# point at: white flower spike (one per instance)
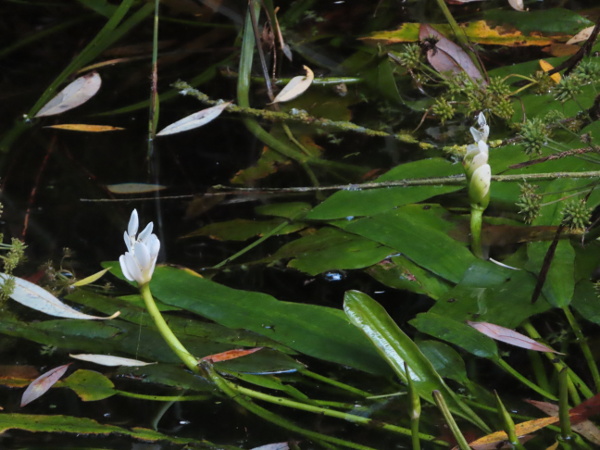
(477, 169)
(139, 261)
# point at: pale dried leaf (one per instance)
(108, 360)
(296, 87)
(41, 384)
(75, 94)
(517, 5)
(134, 188)
(194, 120)
(583, 35)
(88, 280)
(84, 127)
(35, 297)
(274, 446)
(509, 336)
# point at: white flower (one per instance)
(475, 162)
(139, 261)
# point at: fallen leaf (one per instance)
(108, 360)
(521, 429)
(41, 384)
(134, 188)
(194, 120)
(88, 280)
(75, 94)
(230, 354)
(35, 297)
(547, 67)
(275, 446)
(446, 56)
(296, 87)
(583, 35)
(509, 336)
(586, 428)
(84, 127)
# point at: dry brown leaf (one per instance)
(583, 35)
(42, 384)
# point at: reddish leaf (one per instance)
(230, 354)
(509, 336)
(446, 56)
(586, 409)
(41, 384)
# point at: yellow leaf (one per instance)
(521, 429)
(547, 67)
(85, 127)
(91, 278)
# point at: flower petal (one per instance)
(146, 232)
(134, 223)
(124, 268)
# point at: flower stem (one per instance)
(476, 219)
(190, 361)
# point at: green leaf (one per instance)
(457, 333)
(242, 229)
(82, 426)
(419, 232)
(398, 349)
(356, 203)
(560, 280)
(332, 249)
(288, 210)
(90, 386)
(302, 327)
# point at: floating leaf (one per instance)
(230, 354)
(90, 386)
(35, 297)
(509, 336)
(75, 94)
(446, 56)
(134, 188)
(88, 280)
(275, 446)
(296, 87)
(194, 120)
(583, 35)
(108, 360)
(84, 127)
(41, 384)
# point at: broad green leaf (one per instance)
(289, 210)
(457, 333)
(356, 203)
(242, 229)
(560, 282)
(401, 273)
(446, 361)
(302, 327)
(332, 249)
(398, 349)
(553, 21)
(420, 233)
(90, 386)
(81, 426)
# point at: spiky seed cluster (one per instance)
(534, 134)
(443, 109)
(529, 202)
(576, 214)
(411, 57)
(568, 88)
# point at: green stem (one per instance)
(476, 220)
(585, 348)
(563, 404)
(335, 383)
(460, 438)
(504, 365)
(190, 361)
(164, 398)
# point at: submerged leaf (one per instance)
(75, 94)
(108, 360)
(296, 87)
(195, 120)
(35, 297)
(509, 336)
(230, 354)
(134, 188)
(41, 384)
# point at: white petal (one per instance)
(134, 223)
(124, 268)
(133, 268)
(481, 120)
(153, 245)
(142, 255)
(128, 240)
(146, 232)
(483, 148)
